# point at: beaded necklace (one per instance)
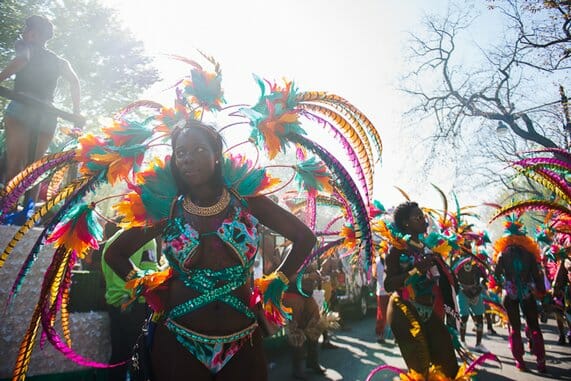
(207, 211)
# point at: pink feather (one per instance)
(390, 368)
(331, 223)
(348, 149)
(544, 161)
(480, 360)
(311, 210)
(339, 197)
(58, 343)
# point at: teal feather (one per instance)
(137, 132)
(207, 92)
(458, 210)
(158, 192)
(434, 239)
(454, 336)
(345, 183)
(273, 103)
(240, 176)
(379, 205)
(306, 173)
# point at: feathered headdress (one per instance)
(515, 234)
(130, 151)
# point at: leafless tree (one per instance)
(506, 89)
(544, 31)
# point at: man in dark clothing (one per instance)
(29, 130)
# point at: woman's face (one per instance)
(416, 222)
(194, 157)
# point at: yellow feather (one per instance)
(39, 214)
(26, 346)
(548, 184)
(405, 195)
(354, 139)
(29, 340)
(13, 183)
(365, 122)
(56, 181)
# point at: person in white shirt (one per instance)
(382, 297)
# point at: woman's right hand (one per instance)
(425, 263)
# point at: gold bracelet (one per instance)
(131, 275)
(282, 277)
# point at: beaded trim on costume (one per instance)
(190, 334)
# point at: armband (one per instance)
(271, 288)
(132, 274)
(414, 271)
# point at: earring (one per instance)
(216, 162)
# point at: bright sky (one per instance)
(353, 48)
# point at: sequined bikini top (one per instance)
(181, 240)
(238, 231)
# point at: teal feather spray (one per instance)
(158, 191)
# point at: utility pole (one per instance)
(566, 116)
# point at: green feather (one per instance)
(158, 192)
(306, 173)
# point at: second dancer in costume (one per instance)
(415, 311)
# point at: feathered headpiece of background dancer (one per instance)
(515, 233)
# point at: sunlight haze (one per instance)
(356, 49)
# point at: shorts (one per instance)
(467, 305)
(31, 117)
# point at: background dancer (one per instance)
(517, 271)
(305, 327)
(378, 272)
(470, 299)
(125, 324)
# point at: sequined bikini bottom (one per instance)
(212, 351)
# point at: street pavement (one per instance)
(359, 353)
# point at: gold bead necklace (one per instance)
(206, 211)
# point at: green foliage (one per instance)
(108, 59)
(13, 13)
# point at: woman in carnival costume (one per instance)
(517, 258)
(207, 204)
(423, 293)
(562, 299)
(207, 326)
(413, 273)
(306, 325)
(551, 168)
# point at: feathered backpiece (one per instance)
(131, 154)
(550, 168)
(277, 121)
